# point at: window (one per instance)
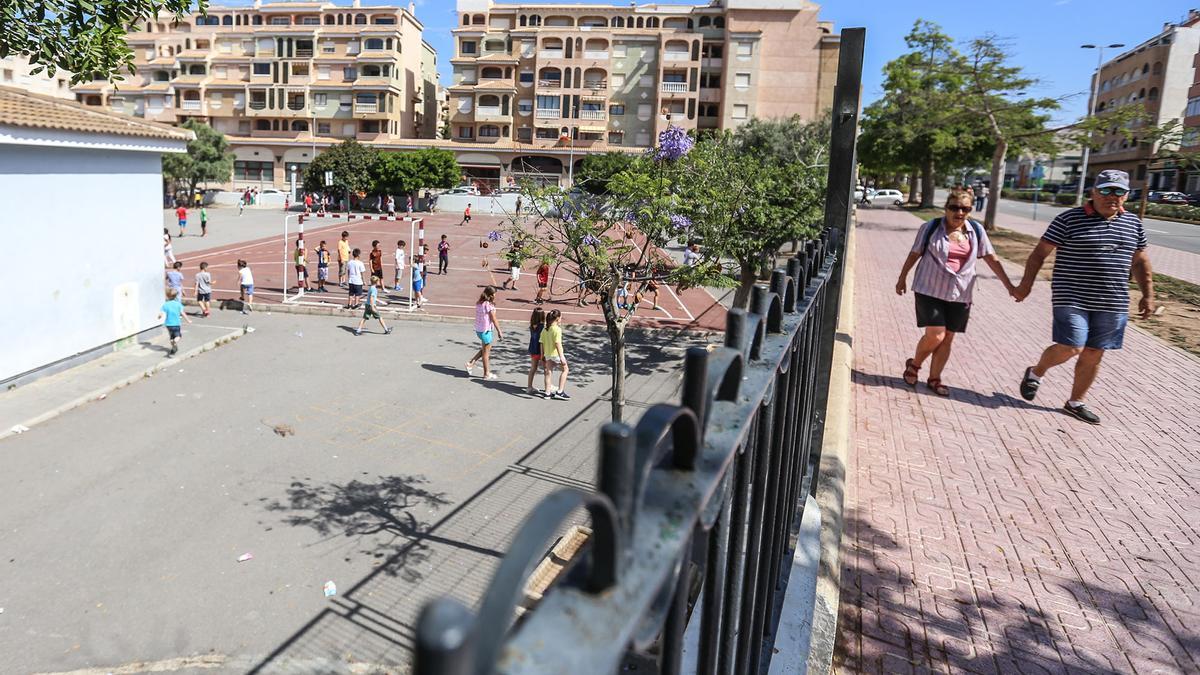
(310, 21)
(244, 126)
(489, 131)
(466, 132)
(300, 69)
(262, 69)
(616, 109)
(525, 134)
(349, 73)
(385, 20)
(544, 133)
(548, 102)
(323, 127)
(281, 21)
(319, 100)
(741, 80)
(220, 72)
(709, 80)
(616, 137)
(345, 101)
(646, 81)
(620, 50)
(741, 111)
(745, 49)
(328, 48)
(349, 129)
(467, 47)
(251, 170)
(618, 81)
(525, 106)
(322, 72)
(373, 43)
(526, 77)
(1193, 107)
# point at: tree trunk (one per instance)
(927, 186)
(912, 186)
(989, 218)
(616, 340)
(746, 281)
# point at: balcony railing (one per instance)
(595, 84)
(674, 87)
(712, 62)
(304, 53)
(550, 84)
(593, 115)
(189, 105)
(296, 105)
(258, 105)
(548, 113)
(677, 56)
(487, 111)
(550, 54)
(366, 107)
(597, 55)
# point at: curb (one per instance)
(831, 486)
(108, 389)
(401, 315)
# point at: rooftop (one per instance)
(23, 109)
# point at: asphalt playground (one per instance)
(472, 267)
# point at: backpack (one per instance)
(937, 223)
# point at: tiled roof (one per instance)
(23, 109)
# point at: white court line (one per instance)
(685, 309)
(1157, 231)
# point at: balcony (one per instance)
(716, 62)
(489, 112)
(550, 54)
(304, 53)
(258, 105)
(593, 115)
(365, 108)
(674, 87)
(677, 56)
(548, 113)
(550, 84)
(596, 56)
(596, 85)
(297, 105)
(190, 105)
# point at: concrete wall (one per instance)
(83, 272)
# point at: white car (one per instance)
(893, 197)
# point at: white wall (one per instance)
(82, 236)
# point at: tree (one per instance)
(207, 158)
(408, 172)
(990, 94)
(597, 170)
(611, 240)
(85, 37)
(352, 164)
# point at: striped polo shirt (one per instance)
(936, 280)
(1093, 259)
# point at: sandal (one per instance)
(911, 373)
(935, 384)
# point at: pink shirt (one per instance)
(483, 320)
(958, 254)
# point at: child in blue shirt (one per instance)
(175, 279)
(171, 314)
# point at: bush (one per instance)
(1170, 211)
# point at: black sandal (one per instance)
(912, 373)
(1029, 385)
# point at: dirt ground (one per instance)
(1179, 320)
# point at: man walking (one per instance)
(1097, 245)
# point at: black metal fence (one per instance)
(699, 499)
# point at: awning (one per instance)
(593, 97)
(593, 130)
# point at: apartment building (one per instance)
(1156, 74)
(16, 71)
(538, 86)
(282, 80)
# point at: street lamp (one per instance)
(1087, 146)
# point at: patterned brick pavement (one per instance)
(1170, 261)
(987, 535)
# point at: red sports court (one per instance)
(452, 294)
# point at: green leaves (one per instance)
(362, 168)
(207, 158)
(85, 37)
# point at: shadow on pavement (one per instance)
(995, 400)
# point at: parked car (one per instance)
(1169, 198)
(893, 197)
(1135, 195)
(1194, 199)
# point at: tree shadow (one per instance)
(891, 621)
(378, 515)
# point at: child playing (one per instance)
(181, 215)
(168, 250)
(418, 281)
(466, 215)
(170, 314)
(487, 330)
(175, 279)
(553, 356)
(246, 283)
(537, 321)
(322, 267)
(371, 309)
(203, 221)
(343, 257)
(354, 278)
(543, 280)
(300, 255)
(203, 289)
(443, 255)
(376, 258)
(401, 252)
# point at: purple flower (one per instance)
(680, 222)
(589, 240)
(495, 235)
(673, 143)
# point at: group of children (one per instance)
(181, 215)
(545, 345)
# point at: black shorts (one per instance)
(541, 284)
(935, 312)
(174, 332)
(355, 289)
(203, 297)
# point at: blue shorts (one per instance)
(182, 224)
(418, 285)
(1075, 327)
(248, 289)
(174, 332)
(485, 336)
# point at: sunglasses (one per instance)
(959, 209)
(1107, 191)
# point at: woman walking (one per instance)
(553, 356)
(944, 253)
(537, 320)
(485, 325)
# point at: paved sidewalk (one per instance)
(1170, 261)
(985, 534)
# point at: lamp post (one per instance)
(1087, 148)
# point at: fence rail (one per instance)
(708, 490)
